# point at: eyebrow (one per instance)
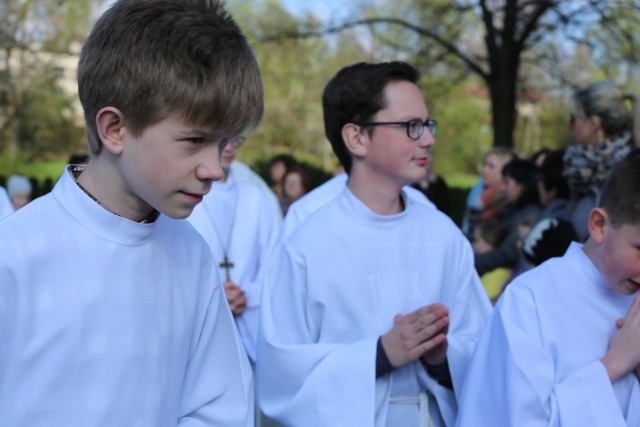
(199, 132)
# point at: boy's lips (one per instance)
(632, 286)
(194, 197)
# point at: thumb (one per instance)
(619, 323)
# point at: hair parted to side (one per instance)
(355, 94)
(620, 195)
(606, 100)
(154, 58)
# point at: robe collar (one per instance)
(362, 213)
(97, 219)
(588, 273)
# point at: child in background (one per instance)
(489, 235)
(19, 190)
(489, 203)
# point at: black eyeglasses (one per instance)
(415, 127)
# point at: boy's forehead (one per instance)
(207, 129)
(404, 97)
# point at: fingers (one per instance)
(619, 323)
(440, 326)
(431, 344)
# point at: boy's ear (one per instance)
(111, 129)
(354, 139)
(598, 218)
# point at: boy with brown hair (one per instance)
(371, 304)
(555, 352)
(111, 311)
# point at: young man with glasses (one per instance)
(371, 305)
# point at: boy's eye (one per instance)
(196, 140)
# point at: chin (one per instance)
(177, 213)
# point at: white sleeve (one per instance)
(218, 385)
(300, 380)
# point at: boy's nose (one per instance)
(210, 169)
(426, 140)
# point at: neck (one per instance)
(378, 194)
(101, 179)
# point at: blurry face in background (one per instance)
(480, 246)
(582, 128)
(293, 187)
(491, 170)
(20, 199)
(512, 189)
(229, 153)
(277, 172)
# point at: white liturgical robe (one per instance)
(239, 219)
(109, 322)
(537, 362)
(333, 287)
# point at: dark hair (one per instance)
(524, 172)
(355, 94)
(151, 59)
(551, 174)
(286, 159)
(494, 231)
(543, 152)
(620, 195)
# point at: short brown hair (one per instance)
(355, 94)
(620, 195)
(154, 58)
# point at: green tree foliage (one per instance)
(294, 73)
(35, 37)
(484, 38)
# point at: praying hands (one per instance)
(421, 333)
(624, 353)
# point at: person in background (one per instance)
(435, 188)
(489, 202)
(294, 185)
(19, 190)
(604, 130)
(487, 236)
(521, 191)
(278, 167)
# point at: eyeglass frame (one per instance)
(236, 142)
(428, 124)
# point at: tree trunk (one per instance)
(502, 89)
